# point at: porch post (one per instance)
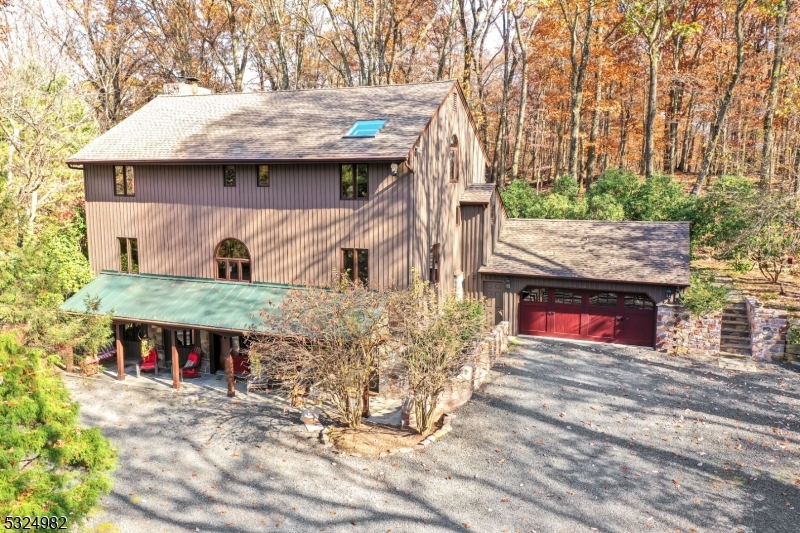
(119, 329)
(176, 365)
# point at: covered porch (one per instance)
(161, 322)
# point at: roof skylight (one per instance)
(365, 128)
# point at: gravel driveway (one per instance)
(568, 437)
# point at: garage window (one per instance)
(568, 297)
(604, 299)
(534, 295)
(638, 301)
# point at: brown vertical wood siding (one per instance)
(294, 229)
(473, 228)
(658, 293)
(434, 197)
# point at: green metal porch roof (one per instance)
(181, 301)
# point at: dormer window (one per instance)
(232, 261)
(365, 128)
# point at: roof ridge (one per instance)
(315, 89)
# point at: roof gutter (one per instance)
(337, 159)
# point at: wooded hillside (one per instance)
(653, 86)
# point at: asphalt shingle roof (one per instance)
(638, 252)
(273, 126)
(179, 300)
(477, 193)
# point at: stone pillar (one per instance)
(205, 351)
(768, 329)
(680, 333)
(158, 338)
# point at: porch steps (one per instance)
(735, 333)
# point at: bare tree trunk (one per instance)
(726, 100)
(444, 51)
(591, 156)
(577, 75)
(504, 106)
(767, 156)
(522, 41)
(687, 130)
(650, 114)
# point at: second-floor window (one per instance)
(229, 176)
(433, 269)
(354, 181)
(263, 175)
(355, 264)
(128, 255)
(452, 159)
(232, 261)
(124, 184)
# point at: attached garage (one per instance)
(591, 280)
(606, 316)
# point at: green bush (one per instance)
(617, 184)
(793, 335)
(604, 207)
(741, 266)
(520, 199)
(723, 213)
(566, 186)
(659, 198)
(48, 464)
(704, 295)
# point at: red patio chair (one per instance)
(149, 361)
(192, 368)
(241, 365)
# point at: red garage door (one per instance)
(617, 317)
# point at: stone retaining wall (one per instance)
(484, 354)
(768, 329)
(679, 333)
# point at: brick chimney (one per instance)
(185, 87)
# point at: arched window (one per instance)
(233, 261)
(452, 159)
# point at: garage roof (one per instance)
(640, 252)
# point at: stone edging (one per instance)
(325, 439)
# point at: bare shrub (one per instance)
(432, 338)
(325, 338)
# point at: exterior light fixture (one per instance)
(508, 283)
(394, 169)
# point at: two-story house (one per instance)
(204, 209)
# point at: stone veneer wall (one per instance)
(484, 354)
(768, 329)
(679, 333)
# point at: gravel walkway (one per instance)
(567, 438)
